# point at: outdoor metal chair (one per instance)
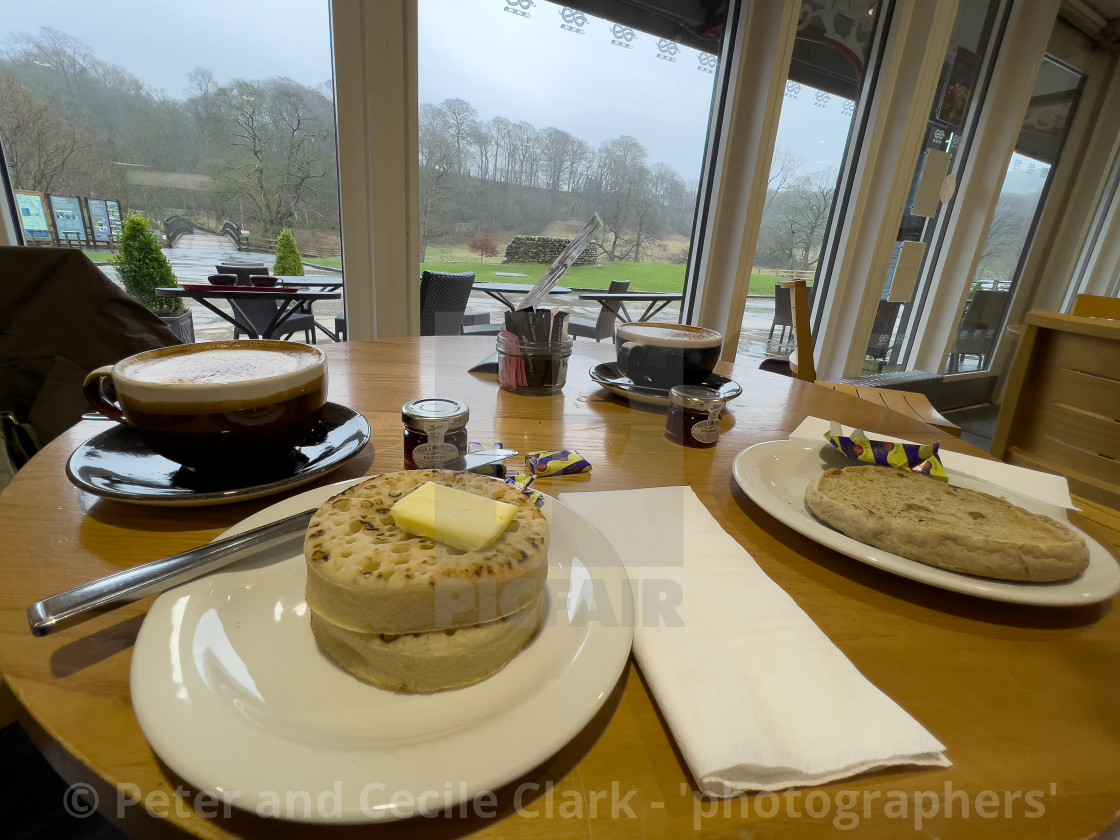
(443, 300)
(260, 313)
(979, 329)
(602, 326)
(783, 316)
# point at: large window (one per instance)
(219, 115)
(533, 116)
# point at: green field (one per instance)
(643, 277)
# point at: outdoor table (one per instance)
(499, 291)
(1024, 698)
(322, 283)
(615, 301)
(290, 302)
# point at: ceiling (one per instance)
(1098, 19)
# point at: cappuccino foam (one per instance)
(225, 374)
(218, 366)
(670, 334)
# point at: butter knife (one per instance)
(108, 593)
(116, 590)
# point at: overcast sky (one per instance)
(505, 64)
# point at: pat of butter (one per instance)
(453, 517)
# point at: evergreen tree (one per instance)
(143, 268)
(288, 261)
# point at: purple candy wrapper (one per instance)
(556, 462)
(919, 458)
(522, 481)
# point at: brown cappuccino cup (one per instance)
(660, 355)
(218, 404)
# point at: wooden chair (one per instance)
(1061, 411)
(1096, 306)
(602, 326)
(802, 366)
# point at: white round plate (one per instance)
(775, 475)
(234, 695)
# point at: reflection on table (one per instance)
(286, 302)
(499, 291)
(615, 301)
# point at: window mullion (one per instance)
(719, 282)
(375, 55)
(978, 190)
(887, 159)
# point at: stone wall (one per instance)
(543, 249)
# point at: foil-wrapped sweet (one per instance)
(556, 462)
(920, 458)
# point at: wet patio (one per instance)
(195, 256)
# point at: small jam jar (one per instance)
(694, 413)
(435, 434)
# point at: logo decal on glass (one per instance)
(623, 35)
(667, 50)
(708, 63)
(573, 21)
(519, 7)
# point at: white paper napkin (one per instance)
(756, 696)
(1046, 487)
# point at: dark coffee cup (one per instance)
(219, 404)
(661, 355)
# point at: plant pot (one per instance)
(182, 325)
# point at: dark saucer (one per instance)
(116, 464)
(608, 375)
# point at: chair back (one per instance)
(801, 362)
(259, 313)
(61, 317)
(443, 300)
(604, 324)
(1096, 306)
(882, 330)
(980, 325)
(1061, 412)
(783, 313)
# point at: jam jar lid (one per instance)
(696, 397)
(434, 409)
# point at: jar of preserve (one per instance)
(694, 416)
(435, 434)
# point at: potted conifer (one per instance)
(288, 261)
(143, 268)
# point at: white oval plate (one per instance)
(775, 474)
(234, 695)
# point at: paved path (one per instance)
(194, 257)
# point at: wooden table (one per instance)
(1025, 699)
(289, 302)
(616, 302)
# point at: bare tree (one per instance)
(41, 145)
(458, 118)
(270, 149)
(437, 160)
(797, 218)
